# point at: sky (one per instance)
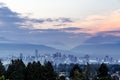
(61, 24)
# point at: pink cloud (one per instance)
(92, 24)
(98, 23)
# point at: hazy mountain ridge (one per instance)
(98, 50)
(94, 50)
(27, 49)
(29, 46)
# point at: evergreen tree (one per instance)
(37, 72)
(49, 71)
(34, 71)
(28, 71)
(3, 78)
(88, 71)
(76, 73)
(16, 70)
(2, 69)
(103, 73)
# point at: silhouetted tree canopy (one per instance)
(76, 73)
(49, 71)
(16, 70)
(2, 69)
(103, 72)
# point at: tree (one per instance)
(76, 73)
(16, 70)
(49, 71)
(28, 72)
(2, 69)
(37, 71)
(103, 72)
(3, 78)
(88, 72)
(34, 71)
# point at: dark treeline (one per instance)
(17, 70)
(93, 68)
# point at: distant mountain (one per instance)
(94, 50)
(9, 49)
(26, 49)
(103, 39)
(98, 50)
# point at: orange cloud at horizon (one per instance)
(92, 24)
(99, 23)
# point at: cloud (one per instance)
(71, 28)
(36, 20)
(13, 21)
(62, 31)
(66, 30)
(2, 4)
(113, 33)
(15, 28)
(60, 19)
(99, 23)
(9, 20)
(104, 37)
(50, 20)
(64, 20)
(47, 23)
(92, 24)
(59, 25)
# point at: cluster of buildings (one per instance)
(59, 58)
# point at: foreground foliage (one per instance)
(17, 70)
